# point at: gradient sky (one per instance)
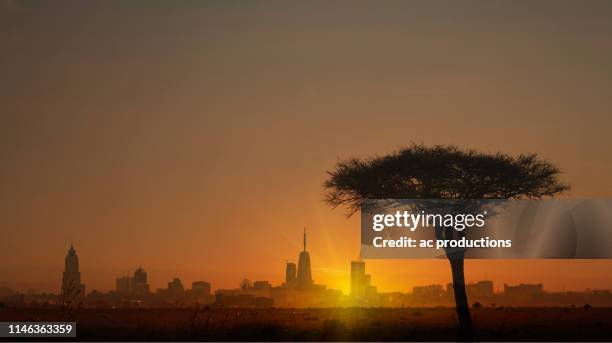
(194, 137)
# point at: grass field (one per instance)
(342, 324)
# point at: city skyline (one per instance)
(135, 291)
(140, 285)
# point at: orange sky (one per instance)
(193, 138)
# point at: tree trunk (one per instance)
(461, 300)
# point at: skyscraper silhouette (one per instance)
(139, 285)
(72, 289)
(358, 276)
(304, 275)
(140, 276)
(290, 273)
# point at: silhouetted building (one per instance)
(523, 290)
(304, 274)
(201, 292)
(358, 279)
(290, 273)
(362, 291)
(174, 293)
(124, 285)
(139, 284)
(299, 289)
(261, 288)
(263, 284)
(430, 292)
(480, 289)
(175, 286)
(135, 286)
(257, 295)
(73, 291)
(140, 276)
(200, 287)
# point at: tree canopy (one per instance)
(441, 172)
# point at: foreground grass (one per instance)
(341, 324)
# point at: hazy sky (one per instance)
(194, 137)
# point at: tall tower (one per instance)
(304, 275)
(72, 289)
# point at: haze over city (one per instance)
(194, 138)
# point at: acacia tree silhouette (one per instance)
(442, 172)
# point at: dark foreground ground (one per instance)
(348, 324)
